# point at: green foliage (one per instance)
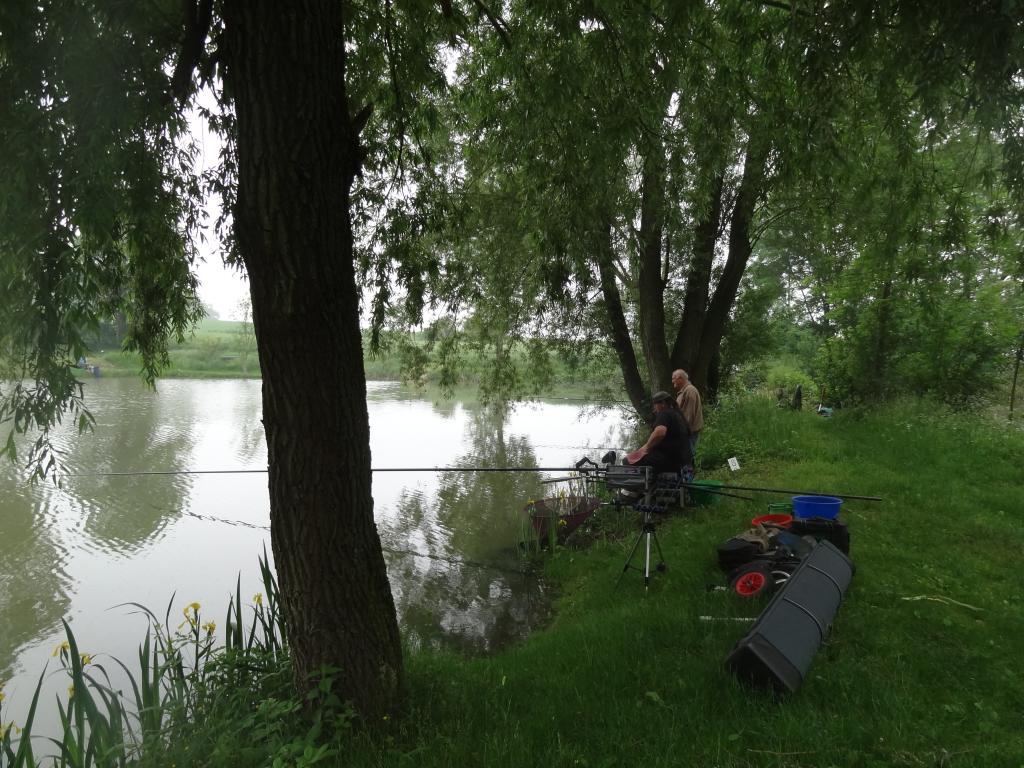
(539, 142)
(908, 280)
(98, 201)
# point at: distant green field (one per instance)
(227, 349)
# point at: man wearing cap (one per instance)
(668, 447)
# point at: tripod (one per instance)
(647, 534)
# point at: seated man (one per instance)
(668, 447)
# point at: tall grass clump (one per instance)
(753, 428)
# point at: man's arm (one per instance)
(656, 436)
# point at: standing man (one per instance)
(688, 400)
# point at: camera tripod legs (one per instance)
(647, 535)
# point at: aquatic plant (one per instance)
(180, 673)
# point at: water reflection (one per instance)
(32, 581)
(467, 588)
(97, 542)
(134, 431)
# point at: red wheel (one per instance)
(752, 580)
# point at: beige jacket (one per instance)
(689, 404)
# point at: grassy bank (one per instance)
(217, 349)
(921, 669)
(910, 676)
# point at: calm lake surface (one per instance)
(82, 551)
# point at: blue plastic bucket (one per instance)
(816, 506)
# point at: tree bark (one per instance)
(740, 247)
(698, 281)
(1016, 371)
(297, 152)
(880, 356)
(618, 328)
(650, 283)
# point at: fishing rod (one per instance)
(584, 471)
(372, 469)
(716, 491)
(709, 489)
(391, 550)
(788, 491)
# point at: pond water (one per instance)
(83, 550)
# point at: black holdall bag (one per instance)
(735, 552)
(833, 531)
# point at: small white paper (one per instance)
(734, 464)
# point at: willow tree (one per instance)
(608, 172)
(616, 163)
(99, 209)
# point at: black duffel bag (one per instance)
(832, 531)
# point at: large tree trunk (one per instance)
(618, 328)
(740, 247)
(650, 283)
(698, 281)
(1016, 370)
(297, 152)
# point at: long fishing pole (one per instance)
(583, 472)
(709, 489)
(788, 490)
(716, 491)
(372, 469)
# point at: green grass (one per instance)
(217, 349)
(922, 667)
(908, 677)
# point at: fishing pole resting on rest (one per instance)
(585, 468)
(372, 469)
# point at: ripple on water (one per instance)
(117, 515)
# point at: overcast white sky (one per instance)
(219, 287)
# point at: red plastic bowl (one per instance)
(780, 521)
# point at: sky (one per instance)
(220, 287)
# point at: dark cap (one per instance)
(660, 396)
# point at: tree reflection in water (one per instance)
(33, 585)
(468, 588)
